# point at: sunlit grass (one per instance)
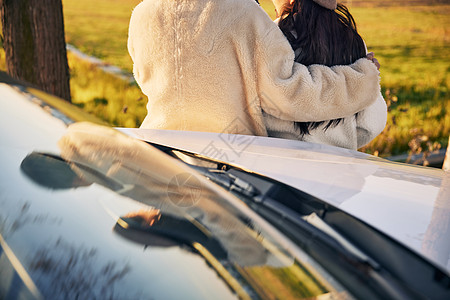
(110, 98)
(2, 60)
(104, 95)
(413, 47)
(412, 44)
(100, 28)
(408, 119)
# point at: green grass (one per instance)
(100, 28)
(413, 47)
(110, 98)
(412, 44)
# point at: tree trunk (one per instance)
(34, 43)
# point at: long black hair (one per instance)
(321, 36)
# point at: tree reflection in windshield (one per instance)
(147, 175)
(66, 271)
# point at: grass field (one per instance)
(100, 28)
(412, 43)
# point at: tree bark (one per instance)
(34, 44)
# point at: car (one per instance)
(93, 212)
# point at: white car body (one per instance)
(67, 188)
(403, 201)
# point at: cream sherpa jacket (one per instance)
(214, 66)
(352, 132)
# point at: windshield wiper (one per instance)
(324, 243)
(312, 222)
(347, 247)
(229, 181)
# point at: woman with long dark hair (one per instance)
(214, 66)
(324, 32)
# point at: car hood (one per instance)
(409, 203)
(87, 212)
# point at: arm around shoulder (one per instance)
(313, 93)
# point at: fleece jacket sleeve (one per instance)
(294, 92)
(371, 121)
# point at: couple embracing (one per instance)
(307, 76)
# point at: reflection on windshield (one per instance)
(144, 217)
(296, 281)
(67, 271)
(184, 209)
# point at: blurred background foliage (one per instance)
(411, 39)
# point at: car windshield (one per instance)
(262, 238)
(181, 208)
(255, 237)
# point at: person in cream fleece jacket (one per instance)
(214, 66)
(317, 35)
